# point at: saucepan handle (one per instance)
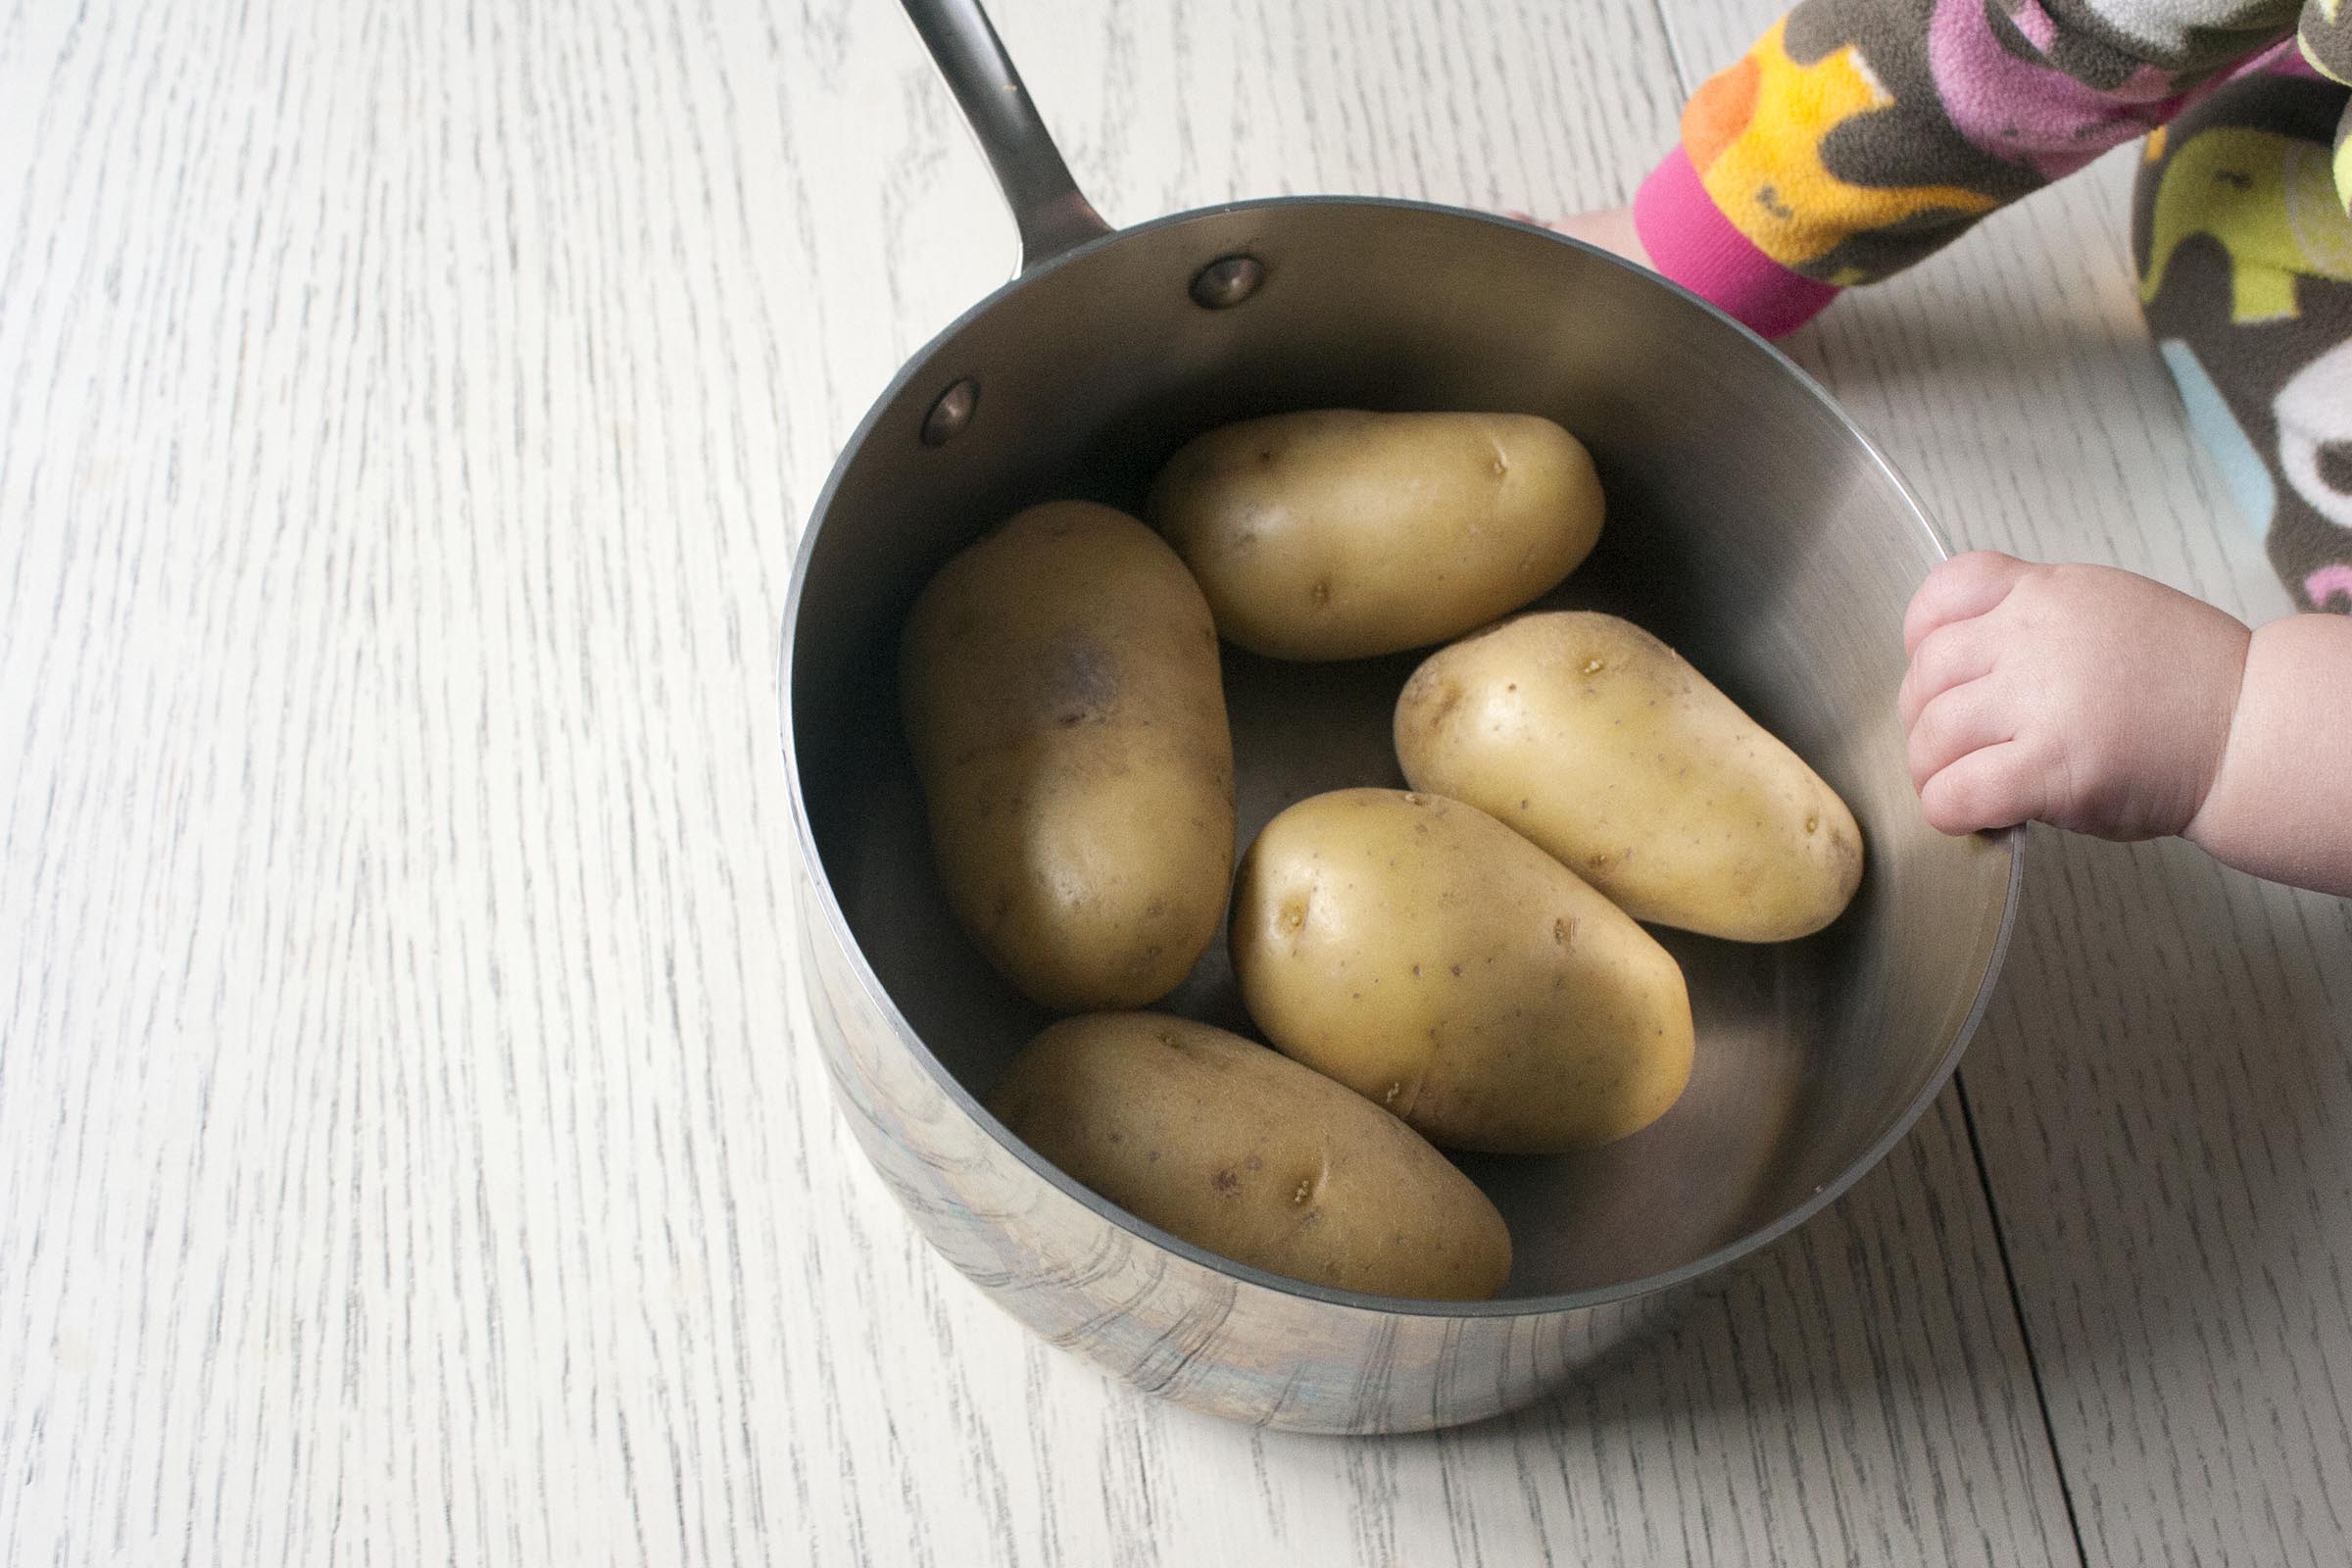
(1053, 213)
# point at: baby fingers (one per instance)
(1992, 787)
(1950, 656)
(1960, 589)
(1955, 723)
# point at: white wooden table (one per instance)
(407, 1153)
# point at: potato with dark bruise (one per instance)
(1062, 699)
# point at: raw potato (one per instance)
(1438, 963)
(1599, 741)
(1062, 699)
(1231, 1147)
(1339, 534)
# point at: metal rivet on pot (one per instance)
(1227, 281)
(951, 412)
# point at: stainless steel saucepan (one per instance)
(1751, 525)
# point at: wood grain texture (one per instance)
(407, 1148)
(2160, 1089)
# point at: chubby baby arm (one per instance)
(2098, 701)
(2281, 805)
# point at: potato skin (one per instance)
(1340, 534)
(1235, 1148)
(1427, 956)
(1061, 695)
(1602, 744)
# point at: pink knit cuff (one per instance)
(1692, 242)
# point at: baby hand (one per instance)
(1611, 229)
(2080, 696)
